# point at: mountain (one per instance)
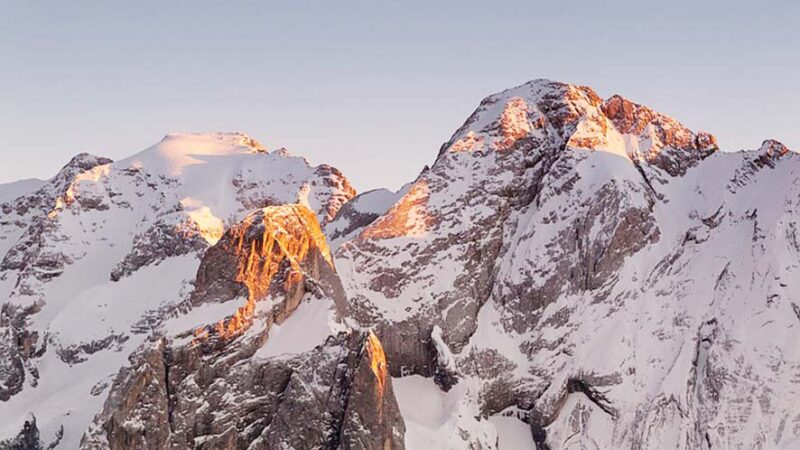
(99, 258)
(570, 272)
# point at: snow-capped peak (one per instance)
(177, 151)
(576, 117)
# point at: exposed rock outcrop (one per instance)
(278, 252)
(211, 389)
(337, 396)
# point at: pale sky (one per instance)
(373, 87)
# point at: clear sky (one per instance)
(373, 87)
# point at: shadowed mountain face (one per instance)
(570, 272)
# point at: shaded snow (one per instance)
(512, 433)
(308, 326)
(439, 420)
(15, 189)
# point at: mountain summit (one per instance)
(570, 272)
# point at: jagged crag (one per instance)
(590, 271)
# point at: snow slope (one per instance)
(359, 212)
(450, 420)
(16, 189)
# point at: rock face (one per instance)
(213, 389)
(595, 269)
(518, 155)
(571, 272)
(279, 251)
(332, 397)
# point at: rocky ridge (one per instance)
(562, 276)
(211, 387)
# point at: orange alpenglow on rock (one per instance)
(377, 359)
(409, 217)
(514, 123)
(467, 143)
(270, 240)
